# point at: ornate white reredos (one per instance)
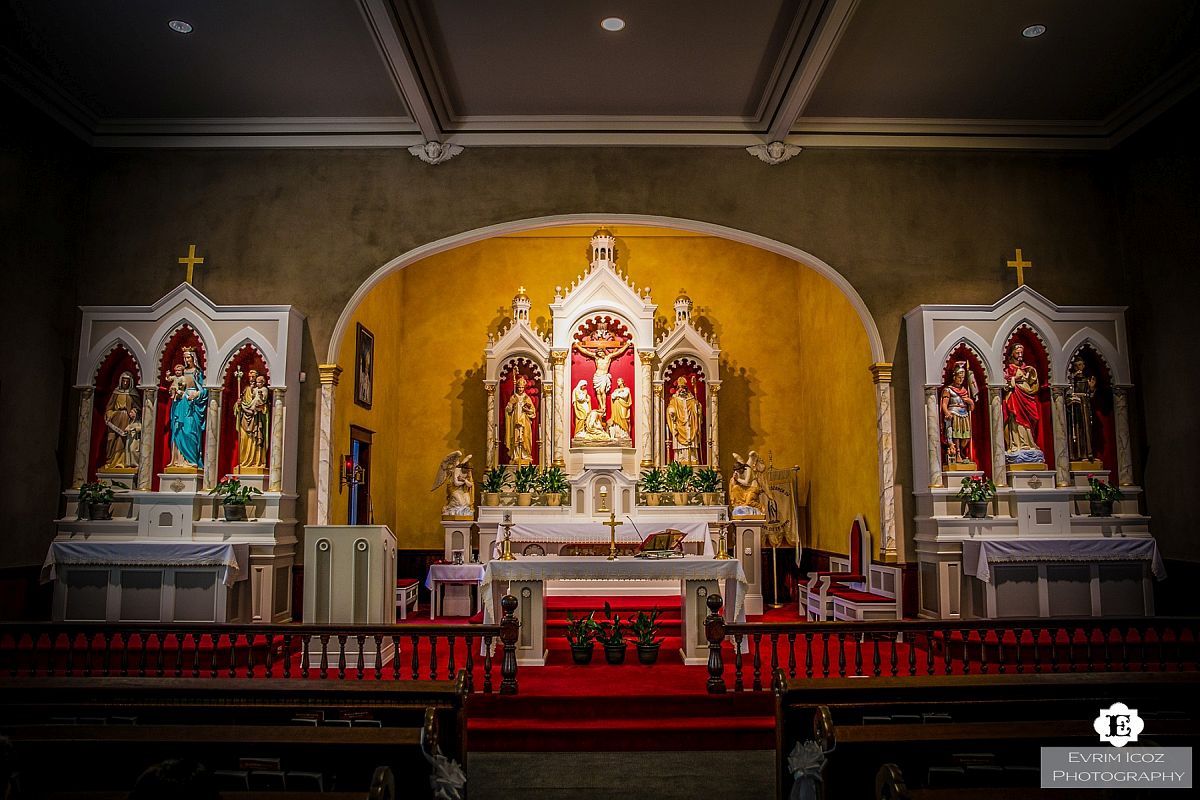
(935, 330)
(685, 340)
(518, 339)
(602, 290)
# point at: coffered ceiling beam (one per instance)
(399, 56)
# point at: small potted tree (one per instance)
(495, 481)
(95, 499)
(526, 479)
(581, 634)
(1101, 496)
(652, 484)
(977, 492)
(707, 481)
(644, 628)
(234, 498)
(679, 480)
(610, 633)
(553, 485)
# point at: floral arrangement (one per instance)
(976, 489)
(496, 480)
(232, 492)
(1102, 491)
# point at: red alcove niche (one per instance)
(521, 367)
(690, 371)
(583, 368)
(1104, 429)
(172, 354)
(247, 358)
(1035, 354)
(981, 438)
(117, 361)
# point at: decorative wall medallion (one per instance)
(774, 152)
(1035, 482)
(177, 485)
(435, 152)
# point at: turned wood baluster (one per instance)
(983, 659)
(470, 666)
(179, 655)
(510, 631)
(875, 658)
(791, 654)
(107, 651)
(396, 657)
(250, 663)
(70, 667)
(487, 664)
(124, 656)
(324, 667)
(341, 656)
(946, 654)
(824, 654)
(269, 666)
(966, 651)
(808, 657)
(841, 648)
(756, 640)
(197, 639)
(738, 684)
(714, 634)
(858, 659)
(1000, 648)
(1087, 651)
(450, 663)
(361, 662)
(54, 656)
(1054, 649)
(379, 656)
(287, 655)
(433, 669)
(305, 640)
(1106, 635)
(1036, 633)
(233, 641)
(416, 663)
(774, 652)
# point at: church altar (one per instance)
(560, 533)
(526, 579)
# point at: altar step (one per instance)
(557, 608)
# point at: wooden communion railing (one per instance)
(945, 647)
(265, 652)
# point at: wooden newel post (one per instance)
(714, 631)
(510, 629)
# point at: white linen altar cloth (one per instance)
(627, 568)
(598, 533)
(977, 556)
(453, 573)
(230, 557)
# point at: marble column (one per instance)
(1124, 450)
(83, 436)
(493, 454)
(886, 442)
(276, 456)
(996, 419)
(714, 442)
(1058, 416)
(644, 417)
(546, 424)
(561, 397)
(933, 436)
(212, 437)
(659, 443)
(329, 382)
(145, 472)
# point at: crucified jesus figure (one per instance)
(602, 381)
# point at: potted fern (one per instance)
(707, 481)
(610, 633)
(526, 479)
(581, 634)
(644, 628)
(652, 484)
(678, 479)
(1101, 496)
(977, 492)
(95, 499)
(234, 498)
(553, 485)
(494, 482)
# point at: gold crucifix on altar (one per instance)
(192, 261)
(1020, 265)
(612, 529)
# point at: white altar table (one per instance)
(695, 532)
(1059, 577)
(141, 581)
(698, 576)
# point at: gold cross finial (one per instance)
(192, 260)
(1020, 265)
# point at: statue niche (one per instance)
(684, 413)
(116, 427)
(182, 404)
(963, 409)
(520, 413)
(602, 376)
(1091, 439)
(1027, 441)
(246, 414)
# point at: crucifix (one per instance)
(1020, 265)
(192, 260)
(612, 529)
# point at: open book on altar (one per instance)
(666, 543)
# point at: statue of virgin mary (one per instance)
(189, 404)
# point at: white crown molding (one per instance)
(400, 60)
(829, 28)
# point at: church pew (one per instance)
(918, 723)
(890, 784)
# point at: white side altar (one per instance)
(697, 577)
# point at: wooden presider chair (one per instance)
(855, 588)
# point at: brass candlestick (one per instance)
(723, 544)
(612, 529)
(506, 550)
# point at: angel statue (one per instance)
(748, 486)
(455, 472)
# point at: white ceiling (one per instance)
(844, 73)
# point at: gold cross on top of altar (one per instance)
(191, 260)
(1020, 265)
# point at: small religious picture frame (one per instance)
(364, 366)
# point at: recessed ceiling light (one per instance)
(1033, 31)
(613, 24)
(179, 26)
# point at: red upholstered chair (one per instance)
(847, 571)
(406, 593)
(874, 591)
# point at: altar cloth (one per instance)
(977, 556)
(598, 532)
(230, 557)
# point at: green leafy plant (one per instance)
(610, 631)
(526, 478)
(645, 627)
(231, 492)
(1102, 491)
(706, 479)
(976, 489)
(653, 481)
(582, 632)
(553, 481)
(99, 493)
(496, 480)
(678, 477)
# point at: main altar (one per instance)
(598, 398)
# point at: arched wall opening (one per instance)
(797, 346)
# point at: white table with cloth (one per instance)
(1056, 577)
(597, 533)
(698, 577)
(441, 575)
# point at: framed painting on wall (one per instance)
(364, 366)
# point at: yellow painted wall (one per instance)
(773, 317)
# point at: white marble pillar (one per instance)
(329, 382)
(933, 436)
(1124, 450)
(996, 420)
(1058, 416)
(83, 436)
(886, 442)
(644, 417)
(212, 437)
(493, 447)
(149, 420)
(276, 456)
(547, 425)
(714, 440)
(660, 449)
(561, 397)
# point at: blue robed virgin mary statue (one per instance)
(189, 406)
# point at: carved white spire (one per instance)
(683, 308)
(604, 249)
(520, 306)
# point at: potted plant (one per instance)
(234, 497)
(610, 632)
(553, 484)
(678, 479)
(95, 499)
(581, 634)
(652, 484)
(644, 628)
(977, 493)
(495, 481)
(1101, 496)
(707, 481)
(526, 479)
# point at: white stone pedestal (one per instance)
(350, 577)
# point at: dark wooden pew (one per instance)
(383, 787)
(965, 732)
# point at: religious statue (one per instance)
(582, 404)
(455, 473)
(683, 424)
(1081, 395)
(121, 402)
(622, 402)
(519, 418)
(748, 486)
(594, 431)
(133, 439)
(958, 401)
(188, 404)
(604, 351)
(1022, 409)
(251, 415)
